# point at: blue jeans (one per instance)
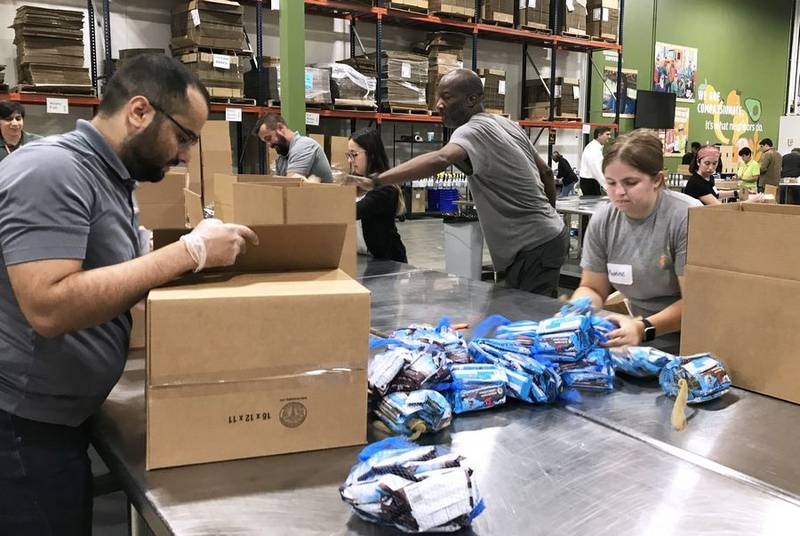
(567, 190)
(45, 478)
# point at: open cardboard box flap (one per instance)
(754, 229)
(281, 248)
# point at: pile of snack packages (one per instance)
(424, 374)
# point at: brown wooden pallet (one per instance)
(410, 9)
(491, 22)
(408, 111)
(66, 91)
(356, 107)
(448, 15)
(242, 101)
(605, 39)
(229, 51)
(574, 33)
(534, 27)
(567, 118)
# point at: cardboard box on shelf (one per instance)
(161, 204)
(534, 14)
(574, 16)
(266, 200)
(740, 276)
(498, 11)
(248, 361)
(603, 19)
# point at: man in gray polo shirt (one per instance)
(69, 274)
(297, 154)
(513, 189)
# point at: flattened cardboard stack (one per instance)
(50, 50)
(405, 76)
(567, 97)
(494, 90)
(130, 53)
(462, 9)
(208, 37)
(445, 53)
(266, 357)
(738, 267)
(603, 19)
(270, 66)
(534, 14)
(574, 17)
(498, 11)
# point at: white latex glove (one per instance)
(213, 243)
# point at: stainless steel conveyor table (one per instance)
(608, 465)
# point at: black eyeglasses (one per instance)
(191, 137)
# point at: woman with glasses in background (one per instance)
(12, 120)
(377, 209)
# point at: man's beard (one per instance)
(282, 146)
(455, 116)
(140, 155)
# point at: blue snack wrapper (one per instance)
(593, 373)
(402, 412)
(411, 488)
(640, 361)
(706, 377)
(476, 386)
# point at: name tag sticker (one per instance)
(620, 274)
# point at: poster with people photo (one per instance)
(629, 82)
(676, 139)
(675, 71)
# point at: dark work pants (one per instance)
(590, 187)
(45, 478)
(538, 270)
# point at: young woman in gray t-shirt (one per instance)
(637, 243)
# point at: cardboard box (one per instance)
(603, 19)
(138, 326)
(212, 155)
(419, 200)
(498, 11)
(534, 14)
(740, 276)
(573, 16)
(248, 361)
(337, 153)
(266, 200)
(161, 204)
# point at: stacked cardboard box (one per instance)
(567, 98)
(534, 14)
(499, 11)
(405, 76)
(494, 90)
(724, 280)
(603, 21)
(445, 53)
(462, 9)
(317, 83)
(50, 50)
(208, 37)
(574, 16)
(161, 204)
(420, 6)
(246, 361)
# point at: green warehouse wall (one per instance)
(743, 53)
